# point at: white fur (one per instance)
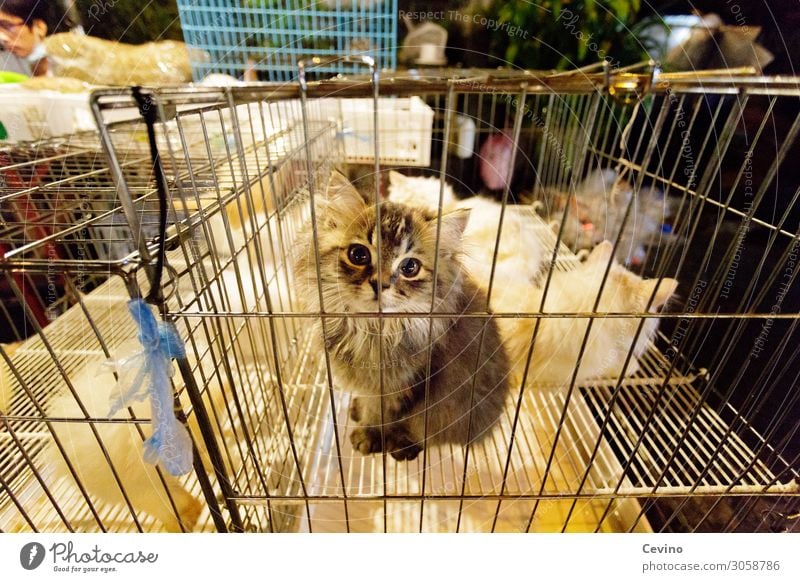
(224, 296)
(519, 255)
(420, 192)
(95, 385)
(234, 219)
(558, 340)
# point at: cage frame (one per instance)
(621, 85)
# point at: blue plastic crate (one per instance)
(270, 36)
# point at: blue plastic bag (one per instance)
(148, 373)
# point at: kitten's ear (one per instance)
(454, 223)
(600, 254)
(341, 197)
(665, 290)
(396, 178)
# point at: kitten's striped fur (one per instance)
(355, 343)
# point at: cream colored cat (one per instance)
(558, 340)
(231, 226)
(422, 192)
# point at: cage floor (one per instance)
(566, 503)
(426, 495)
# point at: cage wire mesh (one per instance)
(265, 39)
(699, 435)
(57, 196)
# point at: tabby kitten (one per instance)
(349, 282)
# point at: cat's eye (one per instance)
(359, 255)
(410, 267)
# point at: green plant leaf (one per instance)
(511, 52)
(622, 10)
(591, 10)
(582, 48)
(551, 44)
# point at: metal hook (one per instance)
(132, 284)
(655, 72)
(606, 76)
(173, 280)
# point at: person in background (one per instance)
(23, 26)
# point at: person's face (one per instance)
(18, 38)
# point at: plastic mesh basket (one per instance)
(270, 36)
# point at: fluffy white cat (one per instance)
(558, 340)
(520, 254)
(232, 225)
(422, 192)
(239, 288)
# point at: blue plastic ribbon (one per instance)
(149, 372)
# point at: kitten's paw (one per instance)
(404, 449)
(366, 440)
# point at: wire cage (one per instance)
(698, 434)
(57, 189)
(266, 38)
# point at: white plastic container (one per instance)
(32, 115)
(405, 128)
(465, 132)
(21, 116)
